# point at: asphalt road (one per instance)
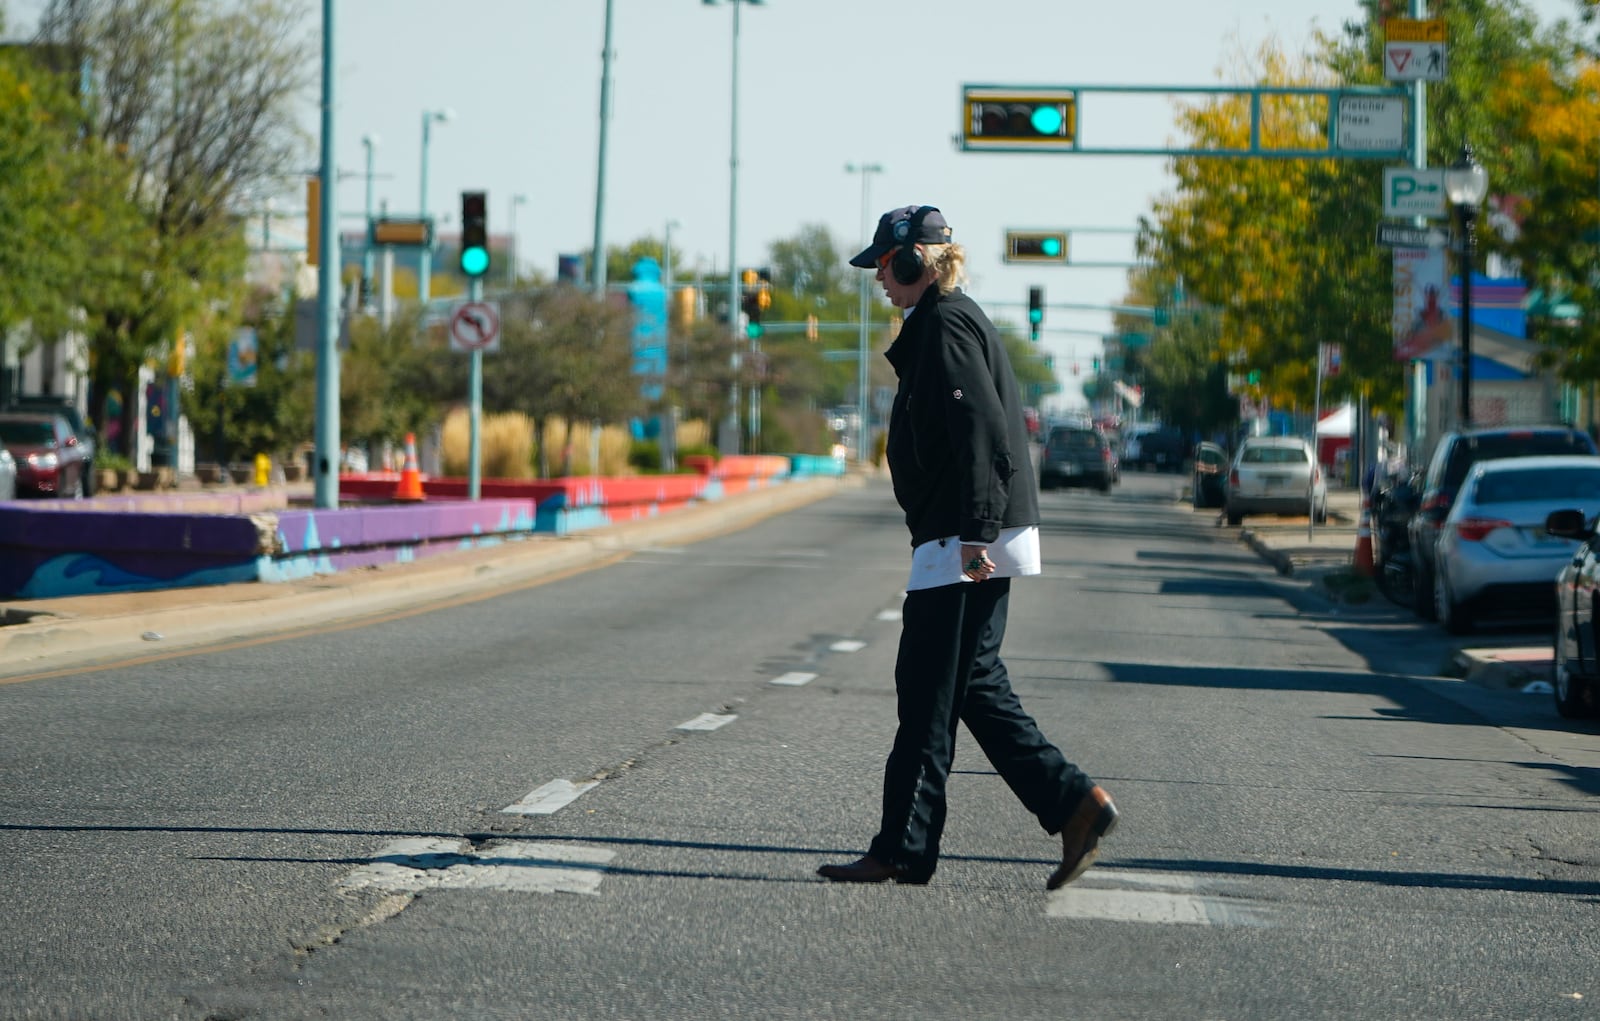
(1314, 826)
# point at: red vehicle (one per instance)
(50, 460)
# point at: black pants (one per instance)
(949, 670)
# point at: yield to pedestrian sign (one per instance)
(1410, 192)
(475, 326)
(1414, 50)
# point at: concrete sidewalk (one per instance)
(1325, 560)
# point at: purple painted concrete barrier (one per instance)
(46, 552)
(323, 541)
(50, 549)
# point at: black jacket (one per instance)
(958, 444)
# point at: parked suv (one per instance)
(46, 404)
(1456, 453)
(1077, 456)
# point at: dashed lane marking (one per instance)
(429, 863)
(552, 797)
(889, 614)
(1157, 898)
(848, 645)
(706, 721)
(795, 678)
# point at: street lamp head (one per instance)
(370, 140)
(446, 114)
(1466, 182)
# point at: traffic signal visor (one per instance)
(1001, 117)
(1036, 246)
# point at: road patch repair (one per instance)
(415, 864)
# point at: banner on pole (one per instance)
(1420, 322)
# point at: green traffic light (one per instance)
(475, 261)
(753, 331)
(1050, 247)
(1046, 119)
(1036, 315)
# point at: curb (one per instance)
(1507, 669)
(62, 634)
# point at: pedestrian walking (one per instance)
(958, 458)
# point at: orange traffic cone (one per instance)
(410, 487)
(1363, 556)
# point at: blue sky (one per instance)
(822, 83)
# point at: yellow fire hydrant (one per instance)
(263, 469)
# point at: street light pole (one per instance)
(731, 424)
(326, 478)
(863, 450)
(597, 272)
(511, 260)
(1465, 184)
(369, 142)
(425, 260)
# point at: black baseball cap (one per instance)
(894, 231)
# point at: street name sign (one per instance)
(1411, 192)
(475, 326)
(1404, 235)
(1367, 123)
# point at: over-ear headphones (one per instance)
(907, 265)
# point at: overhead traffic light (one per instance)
(1035, 312)
(1036, 246)
(474, 233)
(999, 117)
(755, 299)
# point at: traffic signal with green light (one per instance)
(1004, 118)
(755, 299)
(1035, 312)
(474, 233)
(1036, 246)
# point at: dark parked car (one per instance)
(1077, 456)
(1210, 485)
(1158, 449)
(1575, 666)
(1456, 453)
(49, 458)
(51, 405)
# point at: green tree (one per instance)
(201, 101)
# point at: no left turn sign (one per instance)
(475, 326)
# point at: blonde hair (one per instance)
(949, 264)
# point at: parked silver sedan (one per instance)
(8, 475)
(1275, 475)
(1494, 553)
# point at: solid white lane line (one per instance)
(795, 678)
(848, 645)
(555, 795)
(424, 863)
(706, 721)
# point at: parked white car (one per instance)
(1494, 552)
(8, 475)
(1275, 475)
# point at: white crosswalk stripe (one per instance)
(1158, 898)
